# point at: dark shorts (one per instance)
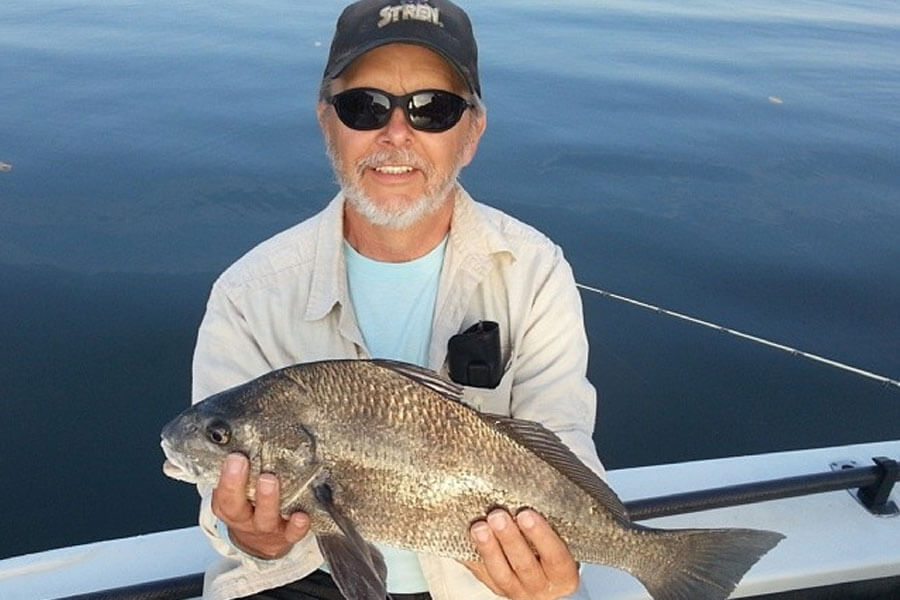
(318, 585)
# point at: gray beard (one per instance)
(397, 215)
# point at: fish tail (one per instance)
(700, 564)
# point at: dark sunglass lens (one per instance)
(362, 109)
(435, 111)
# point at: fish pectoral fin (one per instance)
(356, 576)
(357, 567)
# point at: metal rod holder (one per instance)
(877, 496)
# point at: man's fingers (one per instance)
(256, 528)
(519, 553)
(496, 567)
(267, 515)
(229, 501)
(296, 528)
(523, 557)
(555, 558)
(559, 571)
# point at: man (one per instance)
(397, 264)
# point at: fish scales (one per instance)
(462, 466)
(380, 451)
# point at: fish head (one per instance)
(259, 419)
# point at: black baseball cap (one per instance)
(438, 25)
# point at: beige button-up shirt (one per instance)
(286, 301)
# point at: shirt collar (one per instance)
(471, 234)
(329, 279)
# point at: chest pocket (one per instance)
(478, 357)
(492, 400)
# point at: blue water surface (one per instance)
(738, 162)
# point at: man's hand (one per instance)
(257, 529)
(524, 559)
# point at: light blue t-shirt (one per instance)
(394, 304)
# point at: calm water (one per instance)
(741, 164)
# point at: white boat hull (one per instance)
(830, 537)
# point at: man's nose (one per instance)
(397, 131)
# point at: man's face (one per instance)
(396, 175)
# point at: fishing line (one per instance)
(887, 381)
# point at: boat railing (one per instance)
(871, 485)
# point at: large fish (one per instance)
(381, 451)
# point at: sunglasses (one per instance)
(367, 109)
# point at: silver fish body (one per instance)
(381, 451)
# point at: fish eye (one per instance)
(218, 432)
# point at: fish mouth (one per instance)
(173, 468)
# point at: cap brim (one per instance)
(339, 66)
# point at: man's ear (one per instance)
(321, 109)
(327, 121)
(473, 137)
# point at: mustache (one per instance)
(394, 157)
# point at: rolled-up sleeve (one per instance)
(551, 385)
(227, 352)
(226, 355)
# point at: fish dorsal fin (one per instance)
(423, 376)
(547, 445)
(534, 436)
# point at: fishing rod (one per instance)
(887, 381)
(873, 490)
